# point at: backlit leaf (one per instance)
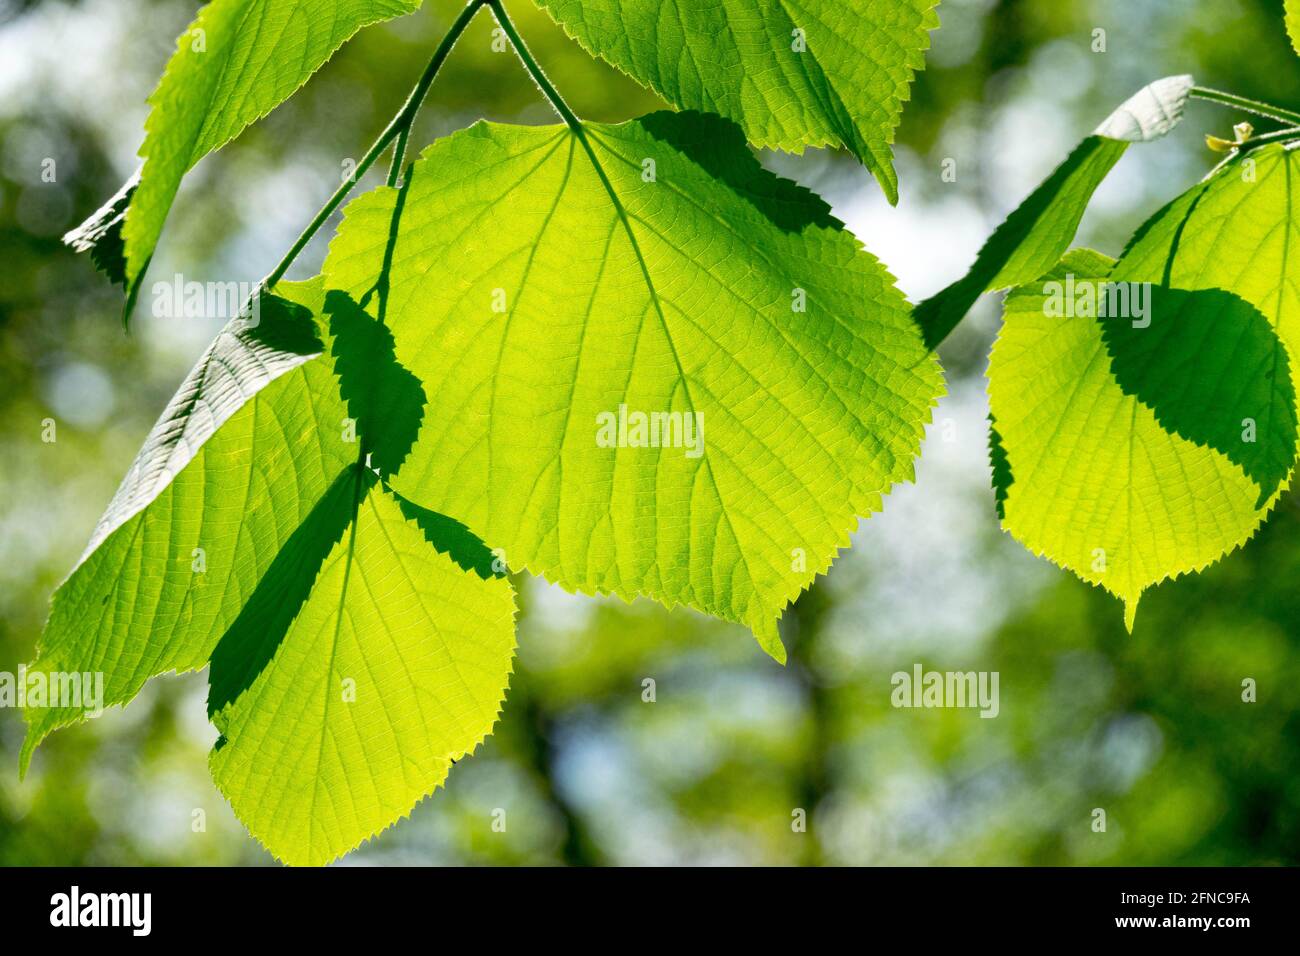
(545, 296)
(248, 444)
(395, 664)
(1089, 473)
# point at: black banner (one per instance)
(346, 903)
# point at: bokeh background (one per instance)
(1150, 727)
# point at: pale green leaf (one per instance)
(1089, 472)
(236, 62)
(245, 448)
(792, 73)
(1032, 239)
(335, 725)
(1293, 23)
(667, 279)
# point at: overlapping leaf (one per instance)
(244, 450)
(101, 234)
(236, 62)
(336, 725)
(1032, 239)
(663, 273)
(792, 73)
(358, 642)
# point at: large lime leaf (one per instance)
(1032, 239)
(668, 278)
(237, 62)
(1293, 23)
(792, 73)
(396, 663)
(1091, 475)
(244, 450)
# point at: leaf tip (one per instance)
(888, 180)
(30, 742)
(1130, 612)
(770, 641)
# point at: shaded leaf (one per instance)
(248, 535)
(395, 664)
(244, 450)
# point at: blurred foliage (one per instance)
(1151, 727)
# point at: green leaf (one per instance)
(236, 62)
(1032, 239)
(395, 664)
(661, 273)
(235, 463)
(1293, 23)
(1089, 473)
(793, 74)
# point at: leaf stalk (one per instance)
(535, 71)
(398, 129)
(1250, 106)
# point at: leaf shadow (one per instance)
(1208, 364)
(251, 641)
(1000, 469)
(719, 147)
(450, 537)
(1213, 370)
(387, 401)
(384, 397)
